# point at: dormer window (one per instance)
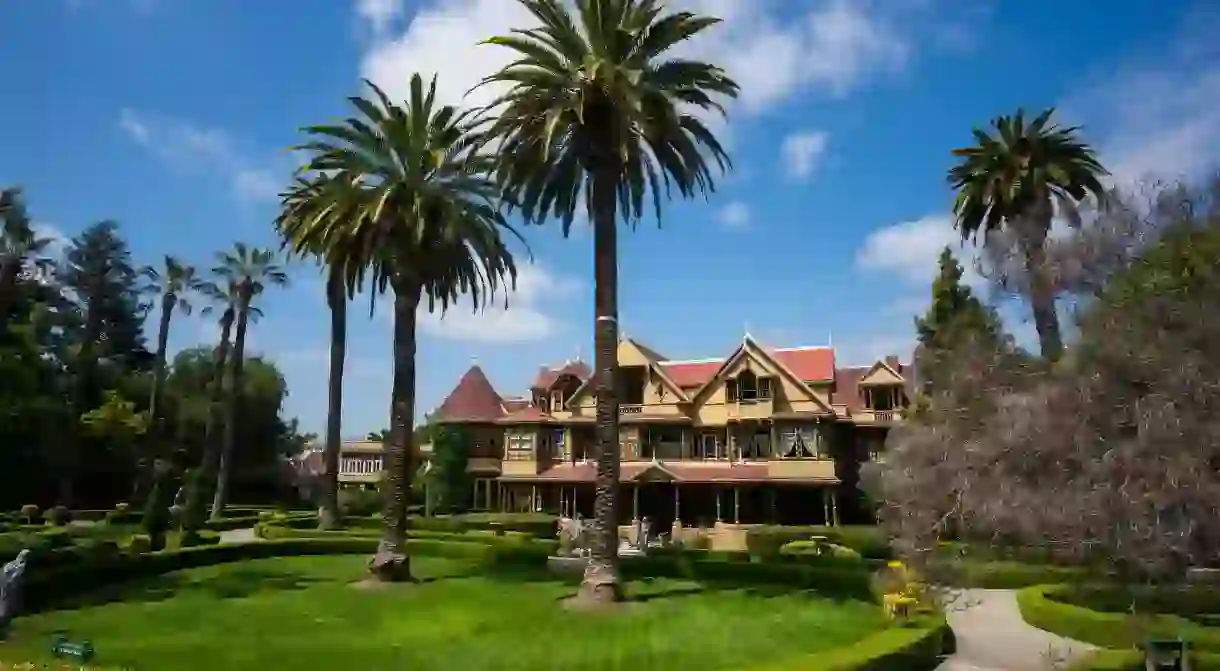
(748, 387)
(883, 398)
(556, 400)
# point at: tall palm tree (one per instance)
(251, 270)
(175, 284)
(1014, 177)
(400, 190)
(340, 285)
(599, 113)
(223, 296)
(21, 248)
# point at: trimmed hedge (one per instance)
(869, 541)
(1002, 574)
(534, 524)
(1133, 660)
(1041, 608)
(918, 647)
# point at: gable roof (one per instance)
(548, 376)
(689, 374)
(883, 365)
(748, 343)
(472, 400)
(527, 415)
(654, 365)
(810, 364)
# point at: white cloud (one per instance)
(832, 47)
(189, 146)
(380, 15)
(1159, 116)
(802, 151)
(866, 351)
(527, 317)
(735, 216)
(909, 249)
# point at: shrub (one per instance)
(139, 544)
(359, 502)
(1001, 574)
(1041, 608)
(870, 542)
(122, 508)
(29, 511)
(191, 538)
(819, 549)
(58, 516)
(918, 647)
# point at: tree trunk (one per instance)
(328, 514)
(156, 426)
(601, 580)
(211, 441)
(9, 272)
(391, 563)
(1042, 289)
(232, 399)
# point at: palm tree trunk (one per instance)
(211, 441)
(158, 383)
(391, 563)
(232, 399)
(601, 580)
(328, 514)
(1042, 290)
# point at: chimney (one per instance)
(892, 361)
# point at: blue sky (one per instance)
(173, 117)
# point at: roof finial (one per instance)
(474, 361)
(746, 331)
(830, 339)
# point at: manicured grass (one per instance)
(302, 613)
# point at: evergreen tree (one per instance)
(955, 318)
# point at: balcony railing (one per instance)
(761, 408)
(630, 409)
(879, 416)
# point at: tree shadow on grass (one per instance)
(232, 583)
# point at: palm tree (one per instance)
(224, 300)
(174, 284)
(298, 202)
(250, 270)
(599, 113)
(400, 190)
(1013, 178)
(21, 248)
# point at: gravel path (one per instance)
(992, 636)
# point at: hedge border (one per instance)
(1106, 630)
(909, 648)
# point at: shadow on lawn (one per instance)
(232, 583)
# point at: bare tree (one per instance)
(1109, 458)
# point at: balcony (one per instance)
(804, 469)
(483, 465)
(630, 409)
(878, 417)
(761, 408)
(518, 468)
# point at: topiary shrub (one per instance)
(140, 543)
(29, 512)
(58, 516)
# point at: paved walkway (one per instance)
(992, 636)
(238, 536)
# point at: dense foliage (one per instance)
(78, 377)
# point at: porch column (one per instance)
(771, 504)
(825, 506)
(834, 509)
(736, 505)
(717, 491)
(677, 503)
(635, 502)
(533, 498)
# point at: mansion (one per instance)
(760, 436)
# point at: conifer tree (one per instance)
(955, 318)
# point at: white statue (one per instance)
(11, 580)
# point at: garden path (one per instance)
(992, 636)
(238, 536)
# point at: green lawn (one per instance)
(301, 613)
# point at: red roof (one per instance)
(587, 472)
(808, 363)
(691, 374)
(847, 387)
(472, 400)
(526, 415)
(547, 376)
(515, 404)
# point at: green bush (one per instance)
(1198, 602)
(968, 573)
(1041, 607)
(917, 647)
(58, 516)
(851, 581)
(1133, 660)
(817, 549)
(359, 502)
(29, 512)
(869, 541)
(231, 523)
(139, 544)
(197, 538)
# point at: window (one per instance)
(557, 445)
(764, 387)
(799, 443)
(710, 445)
(730, 391)
(747, 386)
(556, 401)
(519, 448)
(756, 445)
